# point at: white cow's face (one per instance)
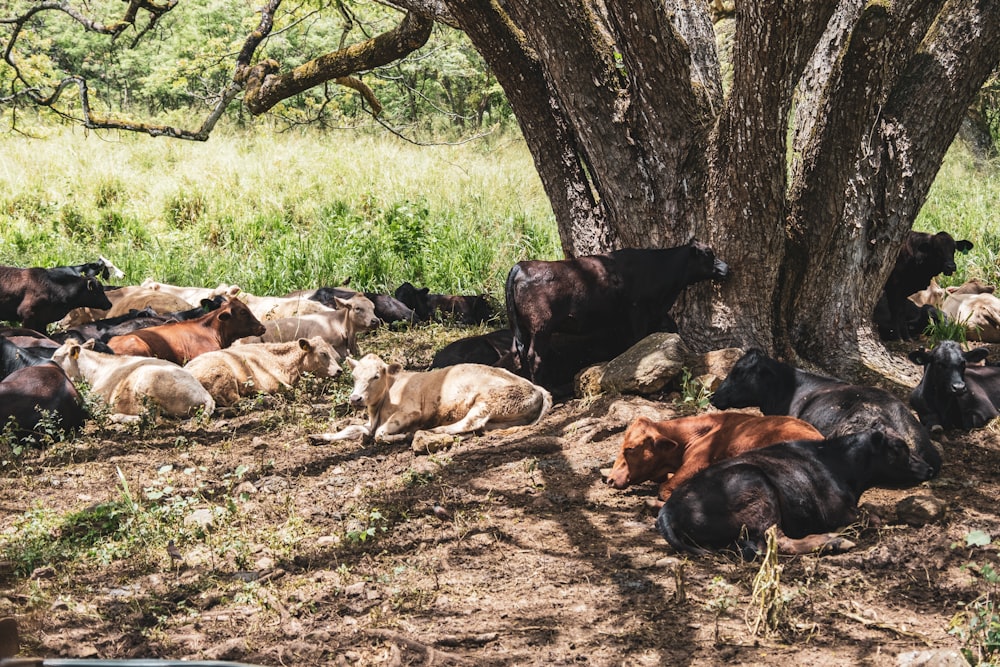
(371, 380)
(67, 356)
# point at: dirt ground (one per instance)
(504, 549)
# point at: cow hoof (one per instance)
(318, 438)
(654, 504)
(937, 431)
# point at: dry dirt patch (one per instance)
(506, 548)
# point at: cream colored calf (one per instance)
(266, 368)
(131, 385)
(340, 327)
(453, 400)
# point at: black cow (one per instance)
(833, 406)
(951, 394)
(387, 308)
(806, 488)
(916, 319)
(14, 357)
(37, 297)
(102, 268)
(922, 257)
(37, 399)
(105, 329)
(463, 309)
(488, 349)
(625, 293)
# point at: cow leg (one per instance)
(476, 418)
(397, 427)
(813, 544)
(352, 431)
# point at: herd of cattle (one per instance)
(724, 477)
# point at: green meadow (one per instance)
(277, 212)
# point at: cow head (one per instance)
(372, 379)
(415, 299)
(944, 366)
(68, 357)
(319, 357)
(704, 265)
(937, 251)
(361, 312)
(645, 455)
(751, 379)
(237, 321)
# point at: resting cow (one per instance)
(487, 349)
(922, 257)
(159, 302)
(193, 294)
(181, 342)
(952, 394)
(834, 407)
(672, 451)
(267, 368)
(388, 308)
(37, 398)
(978, 313)
(627, 292)
(340, 327)
(463, 309)
(131, 385)
(454, 400)
(806, 488)
(37, 297)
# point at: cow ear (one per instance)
(341, 303)
(977, 354)
(351, 363)
(226, 315)
(963, 246)
(305, 344)
(90, 343)
(394, 368)
(664, 444)
(920, 357)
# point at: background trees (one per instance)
(804, 172)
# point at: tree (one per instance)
(804, 175)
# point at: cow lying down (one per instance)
(458, 399)
(244, 370)
(672, 451)
(806, 488)
(131, 385)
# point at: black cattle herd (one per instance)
(568, 314)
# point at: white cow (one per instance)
(453, 400)
(340, 327)
(266, 368)
(193, 294)
(131, 385)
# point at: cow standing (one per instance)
(805, 488)
(952, 394)
(832, 406)
(922, 257)
(623, 296)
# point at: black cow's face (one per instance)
(746, 382)
(944, 366)
(705, 265)
(892, 461)
(938, 251)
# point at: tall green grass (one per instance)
(274, 213)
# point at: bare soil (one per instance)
(505, 549)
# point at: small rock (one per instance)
(921, 510)
(201, 517)
(425, 442)
(936, 658)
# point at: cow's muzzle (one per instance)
(356, 401)
(720, 270)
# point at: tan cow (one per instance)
(131, 385)
(340, 327)
(279, 307)
(193, 294)
(454, 400)
(160, 302)
(78, 316)
(266, 368)
(979, 313)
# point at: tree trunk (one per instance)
(622, 107)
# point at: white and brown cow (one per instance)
(266, 368)
(132, 385)
(454, 400)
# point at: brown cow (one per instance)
(652, 450)
(181, 342)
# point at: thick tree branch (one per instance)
(265, 88)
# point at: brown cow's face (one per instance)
(239, 320)
(644, 456)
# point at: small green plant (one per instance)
(943, 328)
(693, 392)
(370, 525)
(978, 624)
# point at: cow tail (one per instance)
(546, 405)
(517, 347)
(664, 523)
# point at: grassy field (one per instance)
(273, 213)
